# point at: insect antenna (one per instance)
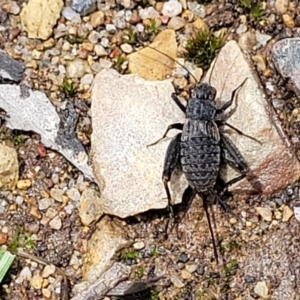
(175, 62)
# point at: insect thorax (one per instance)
(199, 109)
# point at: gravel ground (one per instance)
(52, 231)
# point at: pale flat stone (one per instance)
(32, 111)
(152, 65)
(9, 168)
(272, 163)
(127, 118)
(99, 288)
(265, 213)
(106, 241)
(38, 17)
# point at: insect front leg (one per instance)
(178, 126)
(178, 102)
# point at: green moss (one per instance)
(20, 239)
(231, 267)
(139, 273)
(130, 255)
(203, 48)
(252, 7)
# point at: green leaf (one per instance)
(6, 260)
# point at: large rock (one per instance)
(152, 65)
(272, 162)
(10, 69)
(32, 111)
(126, 118)
(39, 16)
(9, 168)
(286, 57)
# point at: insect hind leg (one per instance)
(170, 163)
(229, 103)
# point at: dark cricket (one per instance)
(201, 147)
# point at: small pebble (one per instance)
(45, 203)
(34, 211)
(48, 271)
(177, 282)
(111, 28)
(73, 194)
(297, 212)
(171, 8)
(287, 213)
(97, 18)
(185, 274)
(176, 23)
(126, 48)
(3, 238)
(87, 79)
(19, 200)
(139, 245)
(281, 6)
(261, 289)
(46, 293)
(57, 194)
(55, 223)
(288, 21)
(25, 273)
(278, 215)
(36, 282)
(265, 213)
(24, 184)
(191, 268)
(183, 257)
(233, 220)
(100, 51)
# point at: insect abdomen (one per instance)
(199, 157)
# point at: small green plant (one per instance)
(203, 48)
(139, 273)
(18, 139)
(253, 7)
(6, 260)
(68, 88)
(201, 295)
(229, 247)
(119, 62)
(152, 28)
(230, 267)
(154, 252)
(21, 238)
(129, 255)
(75, 39)
(132, 37)
(154, 295)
